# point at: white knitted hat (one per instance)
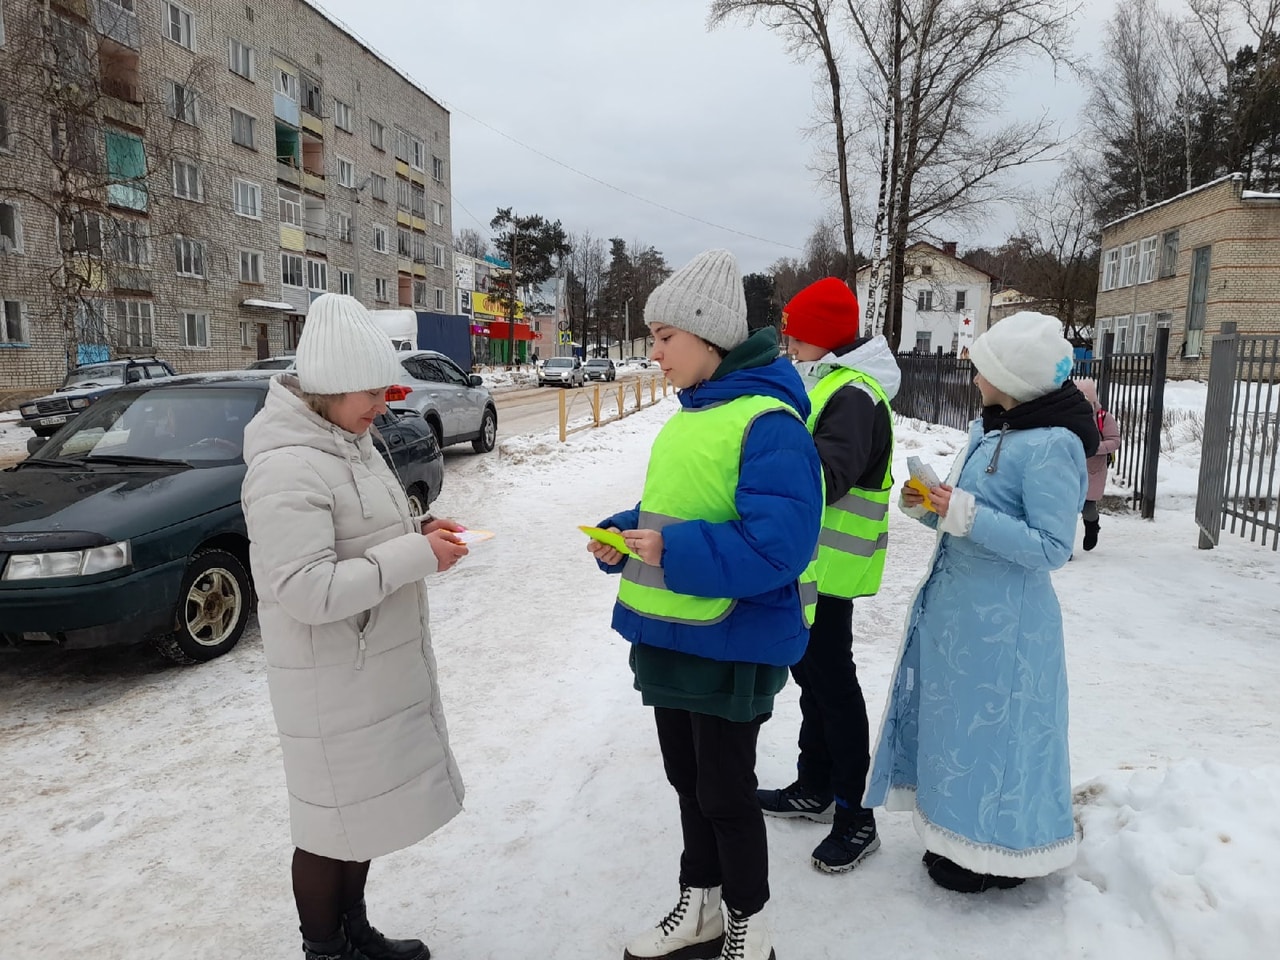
(1024, 355)
(704, 297)
(341, 349)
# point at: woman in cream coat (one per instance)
(339, 563)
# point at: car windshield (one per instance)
(192, 426)
(597, 363)
(101, 373)
(559, 362)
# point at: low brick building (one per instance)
(1191, 263)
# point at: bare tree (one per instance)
(89, 144)
(807, 30)
(585, 267)
(471, 242)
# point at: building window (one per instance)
(377, 135)
(317, 275)
(127, 169)
(346, 283)
(379, 238)
(186, 181)
(291, 208)
(420, 293)
(181, 102)
(248, 199)
(962, 300)
(286, 84)
(1147, 260)
(437, 254)
(179, 26)
(1111, 268)
(242, 129)
(250, 266)
(404, 242)
(6, 134)
(418, 199)
(133, 325)
(240, 59)
(378, 187)
(1168, 253)
(437, 169)
(14, 327)
(342, 226)
(248, 334)
(924, 341)
(86, 234)
(129, 242)
(403, 193)
(1140, 324)
(291, 269)
(419, 159)
(342, 116)
(420, 247)
(346, 173)
(10, 228)
(194, 329)
(1128, 265)
(381, 290)
(439, 299)
(312, 97)
(404, 151)
(1, 24)
(924, 300)
(437, 213)
(189, 255)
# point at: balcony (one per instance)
(116, 23)
(119, 108)
(287, 172)
(313, 182)
(286, 109)
(131, 279)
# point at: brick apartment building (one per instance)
(1190, 263)
(236, 159)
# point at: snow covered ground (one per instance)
(145, 815)
(13, 438)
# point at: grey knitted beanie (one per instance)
(705, 298)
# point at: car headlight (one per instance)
(79, 403)
(68, 563)
(28, 410)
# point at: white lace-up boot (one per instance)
(693, 930)
(747, 938)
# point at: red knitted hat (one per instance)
(824, 313)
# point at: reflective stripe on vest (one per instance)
(855, 529)
(693, 475)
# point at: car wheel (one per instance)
(436, 429)
(417, 497)
(488, 432)
(213, 608)
(34, 444)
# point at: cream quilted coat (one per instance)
(338, 565)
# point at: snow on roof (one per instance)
(267, 304)
(1258, 195)
(1185, 193)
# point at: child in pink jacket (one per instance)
(1097, 464)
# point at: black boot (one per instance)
(373, 945)
(1091, 534)
(950, 875)
(335, 948)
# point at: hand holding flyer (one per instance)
(922, 480)
(609, 538)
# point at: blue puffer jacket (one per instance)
(757, 558)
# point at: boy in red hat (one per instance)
(850, 381)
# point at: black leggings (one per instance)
(324, 890)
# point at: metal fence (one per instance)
(939, 389)
(1239, 481)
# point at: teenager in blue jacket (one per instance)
(713, 599)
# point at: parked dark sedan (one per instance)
(127, 525)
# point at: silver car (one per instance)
(562, 371)
(455, 405)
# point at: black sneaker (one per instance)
(851, 840)
(797, 801)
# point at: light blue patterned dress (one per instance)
(974, 738)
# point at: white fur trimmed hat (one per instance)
(341, 349)
(704, 297)
(1024, 355)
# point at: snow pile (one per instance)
(502, 379)
(1181, 862)
(13, 440)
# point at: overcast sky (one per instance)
(640, 95)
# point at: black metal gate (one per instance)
(1239, 481)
